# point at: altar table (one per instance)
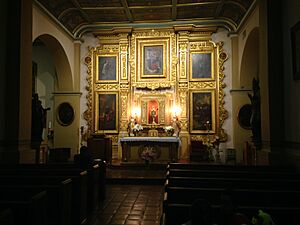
(157, 149)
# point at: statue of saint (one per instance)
(255, 119)
(39, 117)
(153, 114)
(176, 126)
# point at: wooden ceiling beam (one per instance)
(127, 11)
(174, 9)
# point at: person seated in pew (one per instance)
(84, 159)
(200, 213)
(262, 218)
(228, 213)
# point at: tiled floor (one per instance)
(130, 205)
(133, 197)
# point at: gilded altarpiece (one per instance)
(152, 72)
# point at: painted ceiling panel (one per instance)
(78, 15)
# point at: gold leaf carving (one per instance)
(202, 85)
(106, 87)
(153, 86)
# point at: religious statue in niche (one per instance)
(39, 117)
(255, 119)
(153, 112)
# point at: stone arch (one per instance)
(64, 81)
(250, 60)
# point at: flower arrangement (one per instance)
(148, 154)
(169, 130)
(137, 127)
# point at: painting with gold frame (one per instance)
(153, 59)
(107, 68)
(201, 65)
(202, 111)
(106, 113)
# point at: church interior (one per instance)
(153, 91)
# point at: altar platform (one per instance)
(157, 150)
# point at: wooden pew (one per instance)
(79, 187)
(6, 216)
(59, 194)
(215, 182)
(222, 167)
(230, 174)
(96, 177)
(240, 196)
(177, 214)
(28, 206)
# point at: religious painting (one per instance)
(244, 116)
(153, 60)
(107, 68)
(65, 114)
(295, 38)
(202, 112)
(201, 65)
(106, 112)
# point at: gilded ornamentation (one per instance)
(135, 88)
(88, 115)
(202, 85)
(109, 48)
(202, 46)
(182, 55)
(153, 86)
(106, 87)
(223, 114)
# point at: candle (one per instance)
(49, 125)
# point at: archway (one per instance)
(250, 60)
(53, 81)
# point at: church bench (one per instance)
(6, 216)
(266, 197)
(79, 188)
(59, 194)
(177, 214)
(230, 173)
(255, 183)
(201, 166)
(28, 207)
(96, 177)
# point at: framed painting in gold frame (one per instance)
(202, 111)
(106, 112)
(153, 59)
(201, 65)
(107, 68)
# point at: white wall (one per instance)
(45, 79)
(43, 24)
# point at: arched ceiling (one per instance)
(81, 16)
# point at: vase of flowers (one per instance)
(136, 129)
(169, 130)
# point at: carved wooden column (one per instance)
(124, 84)
(183, 92)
